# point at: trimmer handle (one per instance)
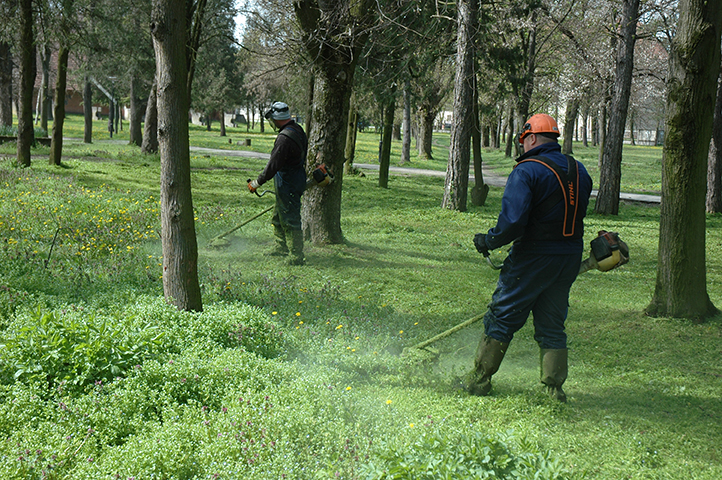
(491, 262)
(261, 194)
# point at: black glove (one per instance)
(480, 244)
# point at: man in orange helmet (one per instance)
(542, 212)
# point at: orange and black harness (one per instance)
(569, 185)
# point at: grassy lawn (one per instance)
(297, 372)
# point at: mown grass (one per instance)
(330, 396)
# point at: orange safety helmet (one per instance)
(539, 123)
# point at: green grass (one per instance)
(325, 394)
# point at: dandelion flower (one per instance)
(400, 332)
(274, 313)
(340, 326)
(298, 314)
(388, 402)
(348, 388)
(411, 425)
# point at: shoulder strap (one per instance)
(568, 183)
(298, 138)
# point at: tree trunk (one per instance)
(334, 34)
(309, 112)
(585, 126)
(6, 85)
(26, 133)
(178, 236)
(385, 158)
(351, 129)
(118, 119)
(111, 117)
(406, 126)
(480, 190)
(150, 132)
(45, 103)
(714, 167)
(611, 168)
(426, 132)
(681, 287)
(631, 127)
(571, 117)
(136, 112)
(87, 111)
(528, 86)
(56, 142)
(322, 206)
(510, 132)
(457, 171)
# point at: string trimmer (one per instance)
(608, 252)
(219, 240)
(320, 177)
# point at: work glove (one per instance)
(252, 185)
(480, 244)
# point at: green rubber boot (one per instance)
(554, 371)
(280, 249)
(296, 256)
(489, 355)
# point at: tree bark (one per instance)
(178, 236)
(223, 121)
(385, 158)
(351, 129)
(26, 132)
(457, 171)
(571, 117)
(426, 131)
(45, 103)
(480, 190)
(6, 85)
(510, 132)
(611, 168)
(56, 142)
(334, 34)
(713, 202)
(150, 132)
(136, 112)
(87, 111)
(681, 287)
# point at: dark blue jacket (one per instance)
(527, 186)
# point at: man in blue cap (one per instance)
(287, 167)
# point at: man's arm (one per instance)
(515, 208)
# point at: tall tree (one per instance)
(169, 28)
(611, 167)
(681, 287)
(56, 139)
(457, 170)
(334, 34)
(406, 123)
(6, 84)
(388, 122)
(26, 46)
